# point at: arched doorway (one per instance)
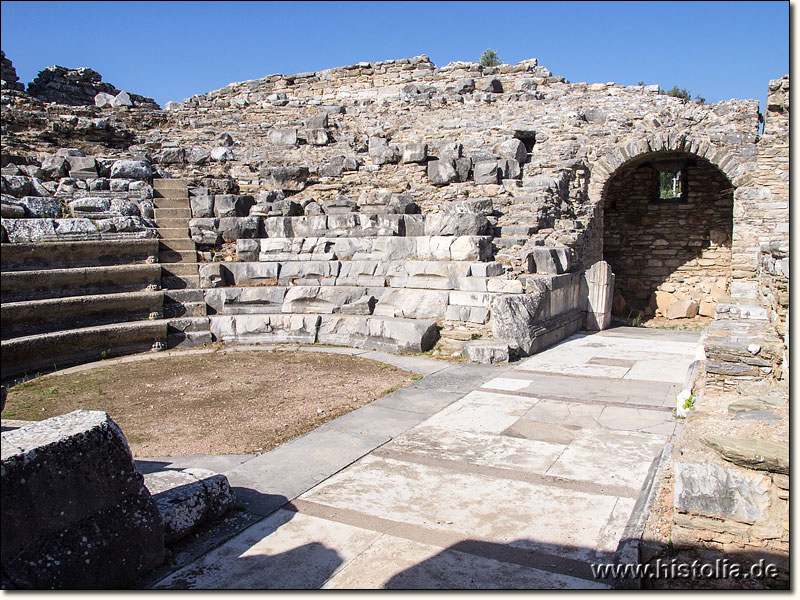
(667, 230)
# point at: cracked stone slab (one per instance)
(481, 411)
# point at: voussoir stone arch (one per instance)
(727, 160)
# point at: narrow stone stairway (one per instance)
(184, 303)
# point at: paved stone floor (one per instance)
(476, 477)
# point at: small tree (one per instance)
(489, 58)
(683, 94)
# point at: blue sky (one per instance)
(172, 50)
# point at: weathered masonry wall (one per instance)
(663, 252)
(523, 158)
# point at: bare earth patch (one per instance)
(226, 402)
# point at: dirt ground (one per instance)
(224, 402)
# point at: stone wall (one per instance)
(8, 74)
(78, 87)
(670, 258)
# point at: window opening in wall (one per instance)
(671, 185)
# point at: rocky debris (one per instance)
(188, 499)
(76, 513)
(80, 87)
(8, 74)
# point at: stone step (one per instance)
(389, 248)
(180, 282)
(162, 214)
(169, 184)
(180, 296)
(171, 202)
(177, 244)
(45, 352)
(18, 286)
(370, 332)
(439, 275)
(179, 269)
(188, 499)
(189, 332)
(442, 305)
(56, 314)
(174, 256)
(184, 309)
(172, 223)
(174, 233)
(56, 255)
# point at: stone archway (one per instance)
(670, 252)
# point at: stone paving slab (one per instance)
(474, 477)
(268, 481)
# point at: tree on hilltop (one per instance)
(489, 58)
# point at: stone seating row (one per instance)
(64, 303)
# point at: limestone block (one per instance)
(487, 351)
(351, 248)
(204, 231)
(312, 226)
(54, 167)
(282, 137)
(189, 498)
(483, 206)
(425, 274)
(513, 149)
(76, 514)
(321, 300)
(319, 121)
(720, 492)
(28, 230)
(292, 273)
(246, 300)
(412, 303)
(486, 172)
(465, 298)
(486, 269)
(359, 273)
(442, 172)
(253, 273)
(15, 185)
(381, 152)
(131, 169)
(491, 84)
(269, 329)
(597, 286)
(663, 300)
(317, 137)
(472, 248)
(464, 86)
(123, 207)
(467, 314)
(505, 286)
(234, 228)
(758, 454)
(202, 205)
(84, 229)
(463, 166)
(172, 156)
(456, 224)
(83, 167)
(448, 149)
(35, 207)
(89, 205)
(378, 333)
(414, 153)
(549, 260)
(340, 204)
(384, 202)
(290, 179)
(706, 309)
(681, 309)
(232, 205)
(197, 156)
(247, 250)
(514, 318)
(509, 169)
(212, 275)
(122, 99)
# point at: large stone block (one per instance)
(232, 205)
(289, 179)
(515, 317)
(412, 303)
(720, 492)
(597, 286)
(378, 333)
(268, 329)
(322, 300)
(76, 513)
(131, 169)
(381, 152)
(456, 224)
(442, 172)
(245, 300)
(187, 499)
(487, 351)
(29, 230)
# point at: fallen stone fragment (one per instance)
(759, 454)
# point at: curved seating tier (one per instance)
(64, 303)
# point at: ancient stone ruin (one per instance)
(483, 211)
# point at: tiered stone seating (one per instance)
(65, 303)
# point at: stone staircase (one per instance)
(65, 303)
(184, 304)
